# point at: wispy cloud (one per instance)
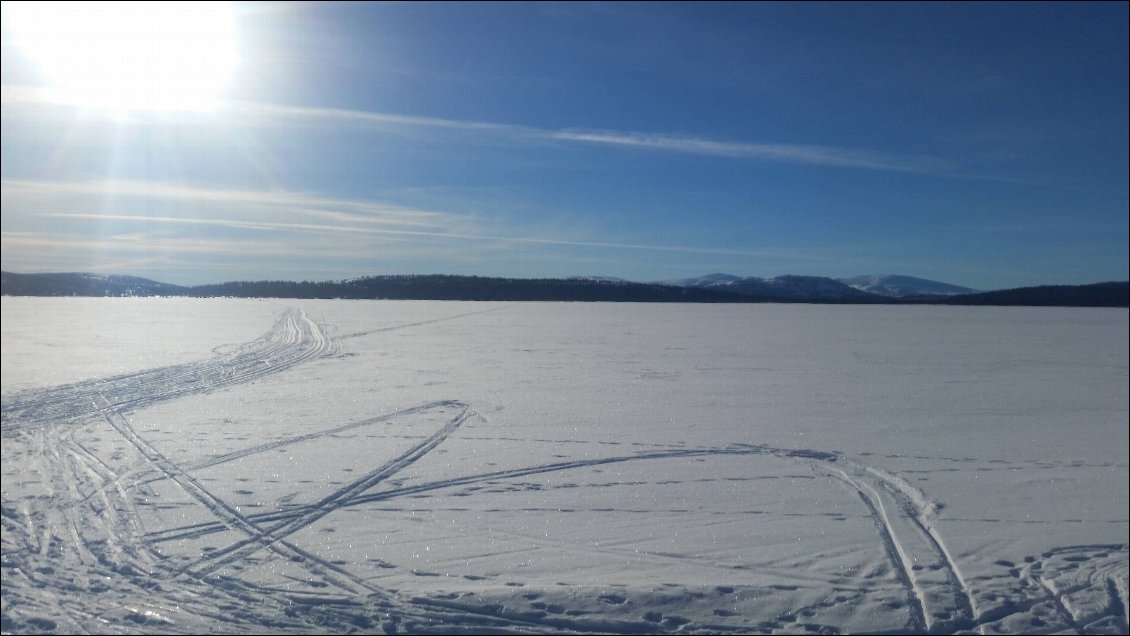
(452, 236)
(291, 213)
(683, 144)
(136, 243)
(344, 210)
(785, 153)
(809, 154)
(259, 109)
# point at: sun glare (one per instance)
(130, 56)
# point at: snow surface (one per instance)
(186, 465)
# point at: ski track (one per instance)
(88, 522)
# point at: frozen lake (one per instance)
(180, 465)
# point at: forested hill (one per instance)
(445, 287)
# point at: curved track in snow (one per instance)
(293, 339)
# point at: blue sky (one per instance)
(977, 144)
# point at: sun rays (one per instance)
(125, 56)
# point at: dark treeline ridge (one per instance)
(407, 287)
(1113, 294)
(448, 287)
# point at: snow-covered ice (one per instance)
(181, 465)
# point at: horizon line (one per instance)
(578, 278)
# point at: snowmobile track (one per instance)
(293, 339)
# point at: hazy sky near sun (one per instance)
(978, 144)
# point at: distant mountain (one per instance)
(701, 281)
(1113, 294)
(904, 286)
(713, 288)
(599, 279)
(816, 287)
(785, 288)
(80, 284)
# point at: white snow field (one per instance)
(185, 466)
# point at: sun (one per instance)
(129, 56)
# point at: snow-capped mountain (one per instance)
(787, 287)
(901, 286)
(702, 281)
(597, 279)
